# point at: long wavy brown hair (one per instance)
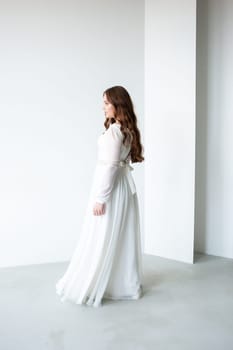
(119, 97)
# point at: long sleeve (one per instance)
(111, 151)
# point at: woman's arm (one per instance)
(112, 150)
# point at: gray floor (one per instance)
(183, 307)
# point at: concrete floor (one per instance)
(183, 307)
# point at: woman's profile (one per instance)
(107, 261)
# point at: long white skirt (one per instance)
(107, 261)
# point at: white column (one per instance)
(170, 61)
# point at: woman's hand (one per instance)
(99, 209)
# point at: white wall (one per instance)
(214, 167)
(56, 60)
(170, 59)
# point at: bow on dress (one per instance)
(128, 168)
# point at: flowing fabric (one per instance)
(107, 260)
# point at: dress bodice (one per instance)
(110, 144)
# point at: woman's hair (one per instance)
(119, 97)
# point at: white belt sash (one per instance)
(127, 167)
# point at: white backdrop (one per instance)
(170, 63)
(56, 60)
(214, 170)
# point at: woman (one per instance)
(107, 261)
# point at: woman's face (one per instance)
(109, 109)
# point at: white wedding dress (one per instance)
(107, 261)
